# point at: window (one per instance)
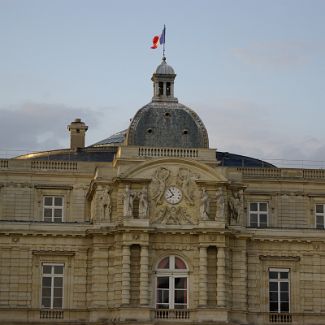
(168, 89)
(279, 290)
(258, 212)
(52, 286)
(172, 288)
(320, 216)
(53, 208)
(161, 88)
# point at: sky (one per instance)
(253, 70)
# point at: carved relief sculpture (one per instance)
(128, 197)
(186, 180)
(173, 216)
(143, 203)
(220, 212)
(204, 205)
(159, 184)
(235, 205)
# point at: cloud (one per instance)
(39, 126)
(246, 128)
(279, 54)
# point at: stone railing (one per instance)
(51, 314)
(172, 314)
(168, 152)
(280, 318)
(282, 173)
(54, 165)
(3, 163)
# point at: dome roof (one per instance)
(164, 68)
(167, 124)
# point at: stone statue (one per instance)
(235, 205)
(220, 212)
(143, 203)
(128, 197)
(159, 184)
(105, 205)
(204, 205)
(186, 180)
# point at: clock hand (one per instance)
(170, 192)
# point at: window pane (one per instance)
(46, 302)
(48, 214)
(263, 218)
(274, 306)
(284, 296)
(284, 286)
(273, 286)
(273, 296)
(58, 269)
(319, 208)
(163, 296)
(284, 306)
(180, 296)
(164, 263)
(180, 306)
(163, 282)
(57, 302)
(48, 200)
(319, 221)
(253, 220)
(263, 206)
(179, 264)
(57, 220)
(284, 275)
(57, 213)
(162, 306)
(46, 282)
(58, 282)
(180, 283)
(58, 201)
(273, 275)
(58, 292)
(46, 292)
(47, 269)
(253, 207)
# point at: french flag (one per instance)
(159, 39)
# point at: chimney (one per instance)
(77, 130)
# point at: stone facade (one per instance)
(160, 236)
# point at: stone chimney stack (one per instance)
(77, 130)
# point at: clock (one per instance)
(173, 195)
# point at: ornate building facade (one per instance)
(151, 226)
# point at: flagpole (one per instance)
(164, 41)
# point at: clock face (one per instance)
(173, 195)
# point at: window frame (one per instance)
(320, 214)
(258, 212)
(53, 207)
(279, 281)
(52, 275)
(172, 273)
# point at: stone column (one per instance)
(126, 275)
(144, 269)
(221, 277)
(203, 277)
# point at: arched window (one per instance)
(172, 283)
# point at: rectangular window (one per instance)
(258, 214)
(279, 290)
(319, 216)
(53, 208)
(52, 286)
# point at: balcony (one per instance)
(51, 314)
(280, 318)
(172, 314)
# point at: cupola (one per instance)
(163, 83)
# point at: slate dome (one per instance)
(164, 122)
